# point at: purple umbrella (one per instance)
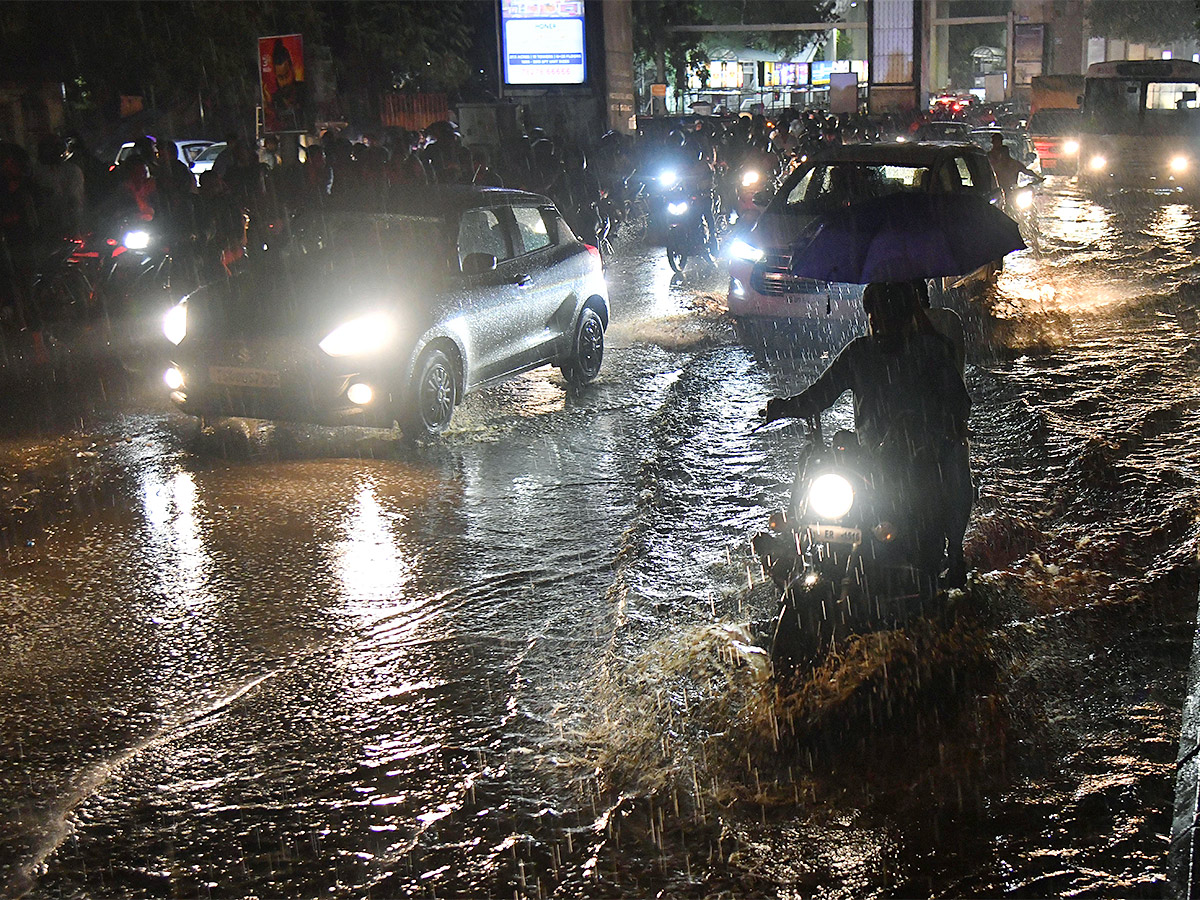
(903, 237)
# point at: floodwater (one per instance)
(285, 661)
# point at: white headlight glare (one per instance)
(751, 178)
(740, 249)
(830, 496)
(677, 209)
(1024, 199)
(360, 337)
(668, 178)
(136, 240)
(1071, 148)
(1179, 163)
(1098, 163)
(174, 323)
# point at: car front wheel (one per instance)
(432, 396)
(588, 350)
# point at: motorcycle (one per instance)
(689, 232)
(843, 554)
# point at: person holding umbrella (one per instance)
(910, 413)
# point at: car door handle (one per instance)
(522, 280)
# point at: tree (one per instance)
(1144, 21)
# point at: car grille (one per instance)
(773, 277)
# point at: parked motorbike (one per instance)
(842, 555)
(689, 230)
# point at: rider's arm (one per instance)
(822, 393)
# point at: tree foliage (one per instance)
(1144, 21)
(175, 51)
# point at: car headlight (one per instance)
(751, 178)
(830, 496)
(668, 178)
(1179, 163)
(136, 240)
(1098, 163)
(360, 337)
(174, 323)
(739, 249)
(677, 209)
(1024, 199)
(1070, 147)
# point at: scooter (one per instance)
(689, 233)
(842, 555)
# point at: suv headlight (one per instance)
(1098, 163)
(830, 496)
(360, 337)
(740, 249)
(678, 209)
(174, 323)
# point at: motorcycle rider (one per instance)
(910, 412)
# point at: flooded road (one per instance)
(285, 661)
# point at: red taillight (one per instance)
(595, 251)
(112, 242)
(118, 251)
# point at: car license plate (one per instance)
(834, 534)
(230, 376)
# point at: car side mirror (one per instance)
(761, 198)
(478, 263)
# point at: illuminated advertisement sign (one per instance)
(777, 74)
(281, 79)
(822, 70)
(723, 75)
(543, 42)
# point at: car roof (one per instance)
(909, 153)
(436, 199)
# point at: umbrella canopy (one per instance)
(903, 237)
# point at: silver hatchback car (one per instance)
(392, 315)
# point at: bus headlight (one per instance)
(830, 496)
(1070, 147)
(1179, 164)
(1098, 163)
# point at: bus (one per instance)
(1140, 124)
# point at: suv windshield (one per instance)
(826, 186)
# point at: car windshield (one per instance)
(834, 184)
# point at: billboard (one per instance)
(281, 77)
(543, 42)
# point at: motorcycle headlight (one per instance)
(830, 496)
(1179, 164)
(1071, 147)
(751, 178)
(668, 178)
(1024, 199)
(1098, 163)
(174, 323)
(739, 249)
(360, 337)
(136, 240)
(677, 209)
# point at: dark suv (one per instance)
(761, 284)
(373, 317)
